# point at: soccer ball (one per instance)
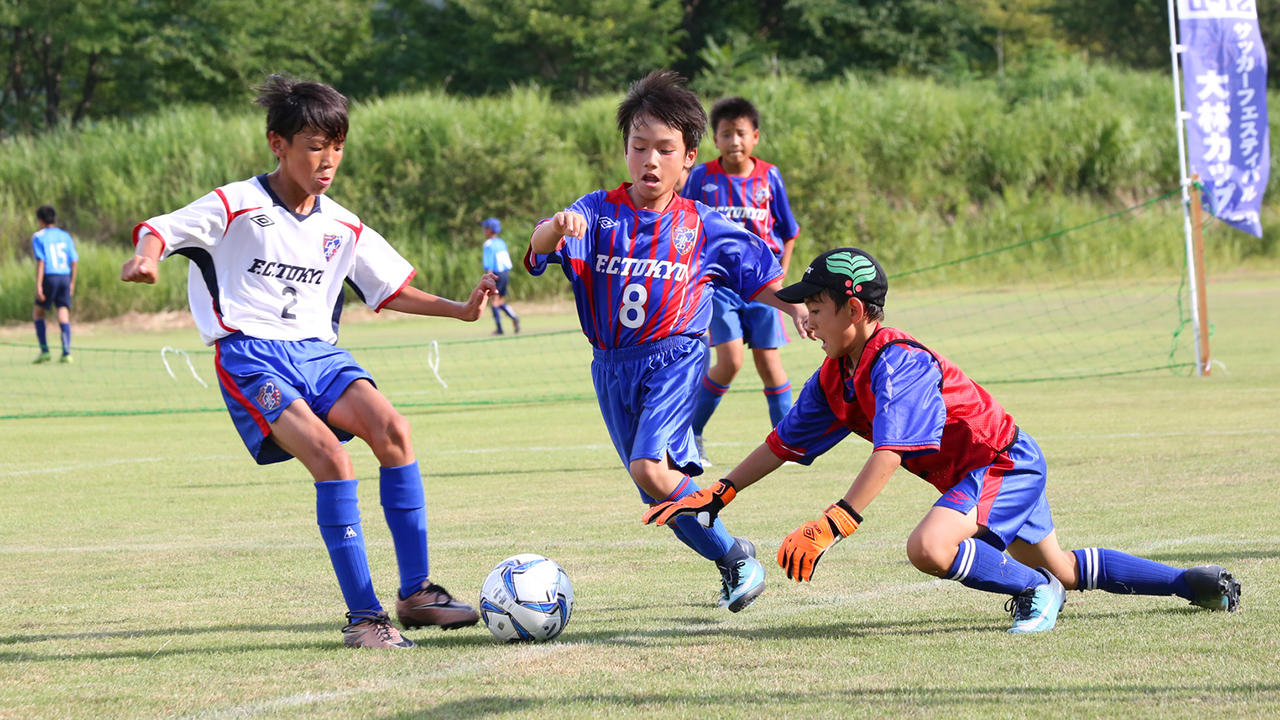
(526, 598)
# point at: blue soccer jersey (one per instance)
(758, 201)
(496, 258)
(640, 275)
(55, 247)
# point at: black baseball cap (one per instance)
(848, 271)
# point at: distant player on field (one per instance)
(56, 264)
(748, 191)
(268, 259)
(497, 260)
(641, 259)
(921, 412)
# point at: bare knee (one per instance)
(325, 459)
(930, 552)
(391, 441)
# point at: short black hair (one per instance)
(733, 108)
(662, 95)
(46, 214)
(874, 312)
(293, 105)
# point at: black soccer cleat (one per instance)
(1214, 588)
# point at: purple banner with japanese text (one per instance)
(1224, 68)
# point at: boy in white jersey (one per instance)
(268, 262)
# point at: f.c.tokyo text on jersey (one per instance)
(262, 270)
(640, 275)
(758, 201)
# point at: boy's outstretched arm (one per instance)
(548, 233)
(418, 302)
(803, 548)
(708, 502)
(144, 266)
(799, 313)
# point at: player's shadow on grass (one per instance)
(949, 699)
(325, 636)
(1184, 558)
(525, 471)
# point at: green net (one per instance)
(1074, 303)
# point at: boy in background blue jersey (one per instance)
(641, 260)
(497, 260)
(748, 191)
(991, 529)
(56, 264)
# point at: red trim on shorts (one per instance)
(992, 480)
(228, 384)
(780, 449)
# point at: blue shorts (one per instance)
(759, 325)
(646, 397)
(260, 378)
(57, 291)
(504, 277)
(1009, 495)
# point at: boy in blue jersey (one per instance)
(991, 530)
(269, 259)
(749, 191)
(641, 259)
(56, 264)
(497, 260)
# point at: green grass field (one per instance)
(152, 570)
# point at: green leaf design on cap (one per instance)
(857, 268)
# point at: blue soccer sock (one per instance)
(1117, 572)
(338, 515)
(66, 338)
(982, 567)
(711, 543)
(709, 394)
(405, 508)
(497, 319)
(779, 399)
(41, 336)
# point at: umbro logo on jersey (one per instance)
(262, 220)
(350, 533)
(608, 223)
(710, 188)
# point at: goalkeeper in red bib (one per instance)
(991, 529)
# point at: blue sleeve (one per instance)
(72, 255)
(693, 184)
(735, 255)
(785, 226)
(809, 428)
(37, 247)
(910, 412)
(570, 248)
(488, 260)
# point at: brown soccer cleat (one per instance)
(433, 605)
(373, 631)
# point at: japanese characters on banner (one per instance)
(1224, 70)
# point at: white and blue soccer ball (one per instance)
(526, 598)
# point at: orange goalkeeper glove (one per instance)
(803, 548)
(703, 505)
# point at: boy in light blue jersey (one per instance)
(498, 261)
(750, 192)
(642, 262)
(56, 264)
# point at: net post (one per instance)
(1198, 286)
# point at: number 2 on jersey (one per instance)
(287, 313)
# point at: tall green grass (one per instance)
(915, 170)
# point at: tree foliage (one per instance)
(67, 61)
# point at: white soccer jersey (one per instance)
(258, 269)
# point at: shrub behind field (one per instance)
(911, 169)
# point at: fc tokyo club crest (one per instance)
(269, 396)
(762, 195)
(331, 245)
(682, 238)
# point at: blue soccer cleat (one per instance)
(1036, 609)
(1214, 588)
(743, 581)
